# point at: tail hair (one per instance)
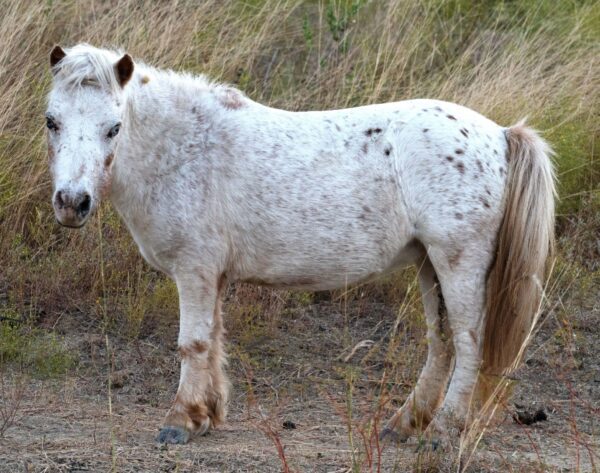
(524, 244)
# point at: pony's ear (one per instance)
(124, 69)
(56, 55)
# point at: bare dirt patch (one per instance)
(292, 386)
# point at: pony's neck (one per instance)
(165, 112)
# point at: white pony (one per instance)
(217, 188)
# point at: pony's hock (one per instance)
(217, 188)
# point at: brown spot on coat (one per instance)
(365, 148)
(105, 184)
(108, 160)
(370, 131)
(461, 167)
(387, 151)
(231, 99)
(485, 202)
(458, 215)
(197, 412)
(51, 154)
(197, 347)
(449, 158)
(451, 117)
(455, 258)
(459, 151)
(479, 165)
(465, 132)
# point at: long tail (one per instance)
(525, 241)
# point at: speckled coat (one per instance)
(215, 188)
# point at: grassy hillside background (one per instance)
(505, 59)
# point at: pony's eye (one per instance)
(114, 131)
(51, 124)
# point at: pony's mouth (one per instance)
(70, 218)
(72, 226)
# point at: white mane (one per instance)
(86, 65)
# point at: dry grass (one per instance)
(539, 59)
(11, 392)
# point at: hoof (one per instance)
(390, 435)
(173, 435)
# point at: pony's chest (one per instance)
(151, 234)
(149, 245)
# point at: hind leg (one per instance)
(463, 285)
(417, 411)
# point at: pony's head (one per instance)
(85, 110)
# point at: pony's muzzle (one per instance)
(72, 208)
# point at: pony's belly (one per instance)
(309, 282)
(326, 273)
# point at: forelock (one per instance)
(85, 65)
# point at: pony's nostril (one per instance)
(59, 199)
(84, 206)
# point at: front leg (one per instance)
(200, 403)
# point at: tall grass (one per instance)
(538, 59)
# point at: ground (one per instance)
(297, 384)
